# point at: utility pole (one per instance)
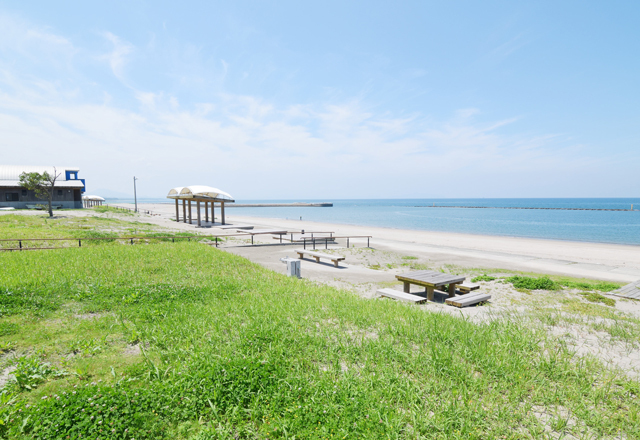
(135, 196)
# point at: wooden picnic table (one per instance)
(430, 280)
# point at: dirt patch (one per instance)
(558, 422)
(92, 315)
(6, 376)
(132, 350)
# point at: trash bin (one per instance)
(293, 266)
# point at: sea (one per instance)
(448, 215)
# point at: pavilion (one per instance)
(91, 201)
(199, 194)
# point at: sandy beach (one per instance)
(611, 262)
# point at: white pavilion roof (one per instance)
(199, 192)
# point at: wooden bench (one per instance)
(467, 287)
(468, 300)
(401, 296)
(318, 255)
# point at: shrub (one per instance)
(542, 283)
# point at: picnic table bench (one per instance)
(468, 299)
(430, 280)
(318, 255)
(401, 296)
(467, 287)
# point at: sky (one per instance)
(327, 100)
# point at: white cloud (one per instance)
(118, 56)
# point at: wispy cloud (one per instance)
(117, 58)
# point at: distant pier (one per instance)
(522, 207)
(280, 205)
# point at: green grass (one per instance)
(14, 226)
(109, 209)
(483, 277)
(597, 298)
(227, 349)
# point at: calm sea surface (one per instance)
(592, 226)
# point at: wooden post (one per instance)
(452, 290)
(222, 212)
(206, 212)
(184, 211)
(198, 209)
(430, 293)
(177, 212)
(213, 213)
(407, 287)
(190, 211)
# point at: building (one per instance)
(67, 193)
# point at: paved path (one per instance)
(629, 291)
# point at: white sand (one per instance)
(612, 262)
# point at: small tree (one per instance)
(42, 184)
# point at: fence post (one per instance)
(216, 241)
(304, 240)
(132, 241)
(347, 242)
(367, 241)
(326, 241)
(79, 243)
(314, 243)
(20, 241)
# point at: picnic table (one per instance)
(430, 280)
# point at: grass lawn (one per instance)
(183, 341)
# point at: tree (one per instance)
(42, 184)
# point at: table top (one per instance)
(430, 277)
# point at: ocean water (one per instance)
(622, 227)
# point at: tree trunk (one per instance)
(51, 202)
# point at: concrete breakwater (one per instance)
(279, 205)
(524, 207)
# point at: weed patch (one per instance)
(542, 283)
(483, 277)
(597, 298)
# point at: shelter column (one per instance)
(189, 211)
(184, 211)
(222, 211)
(177, 212)
(198, 209)
(206, 212)
(213, 212)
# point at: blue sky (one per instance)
(334, 99)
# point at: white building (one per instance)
(67, 192)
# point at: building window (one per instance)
(24, 193)
(12, 197)
(59, 192)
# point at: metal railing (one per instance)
(326, 240)
(216, 238)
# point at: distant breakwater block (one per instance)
(522, 207)
(280, 205)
